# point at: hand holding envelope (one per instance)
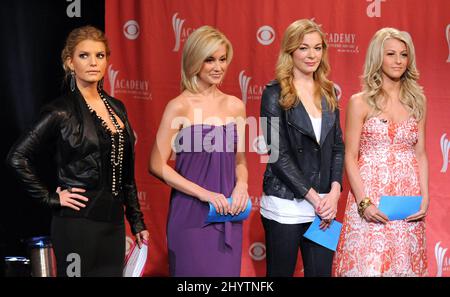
(215, 217)
(399, 207)
(328, 238)
(395, 208)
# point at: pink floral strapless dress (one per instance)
(388, 166)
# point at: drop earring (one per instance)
(100, 85)
(72, 80)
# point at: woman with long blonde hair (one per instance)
(304, 175)
(385, 156)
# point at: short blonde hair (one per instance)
(411, 93)
(200, 45)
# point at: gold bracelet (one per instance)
(363, 204)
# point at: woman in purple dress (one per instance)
(206, 129)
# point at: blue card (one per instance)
(215, 217)
(399, 207)
(328, 238)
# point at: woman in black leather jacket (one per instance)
(304, 175)
(94, 152)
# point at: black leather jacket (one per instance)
(297, 162)
(67, 125)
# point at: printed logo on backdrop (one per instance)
(73, 9)
(244, 80)
(374, 8)
(445, 147)
(447, 35)
(177, 25)
(256, 202)
(131, 87)
(343, 42)
(443, 262)
(131, 29)
(143, 202)
(181, 32)
(265, 35)
(135, 137)
(338, 91)
(257, 251)
(249, 91)
(112, 76)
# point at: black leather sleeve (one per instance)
(132, 208)
(338, 151)
(24, 153)
(285, 166)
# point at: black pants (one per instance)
(99, 246)
(282, 244)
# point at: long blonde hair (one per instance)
(201, 44)
(292, 38)
(411, 93)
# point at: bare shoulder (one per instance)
(359, 100)
(235, 105)
(177, 105)
(358, 103)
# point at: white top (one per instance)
(317, 126)
(297, 211)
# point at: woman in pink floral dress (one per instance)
(385, 155)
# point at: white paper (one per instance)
(135, 263)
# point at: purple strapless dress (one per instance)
(205, 156)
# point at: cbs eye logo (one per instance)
(257, 251)
(131, 29)
(265, 35)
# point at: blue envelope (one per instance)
(215, 217)
(328, 238)
(399, 207)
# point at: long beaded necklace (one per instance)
(117, 146)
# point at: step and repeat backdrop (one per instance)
(147, 37)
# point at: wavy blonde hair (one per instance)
(411, 93)
(200, 45)
(293, 36)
